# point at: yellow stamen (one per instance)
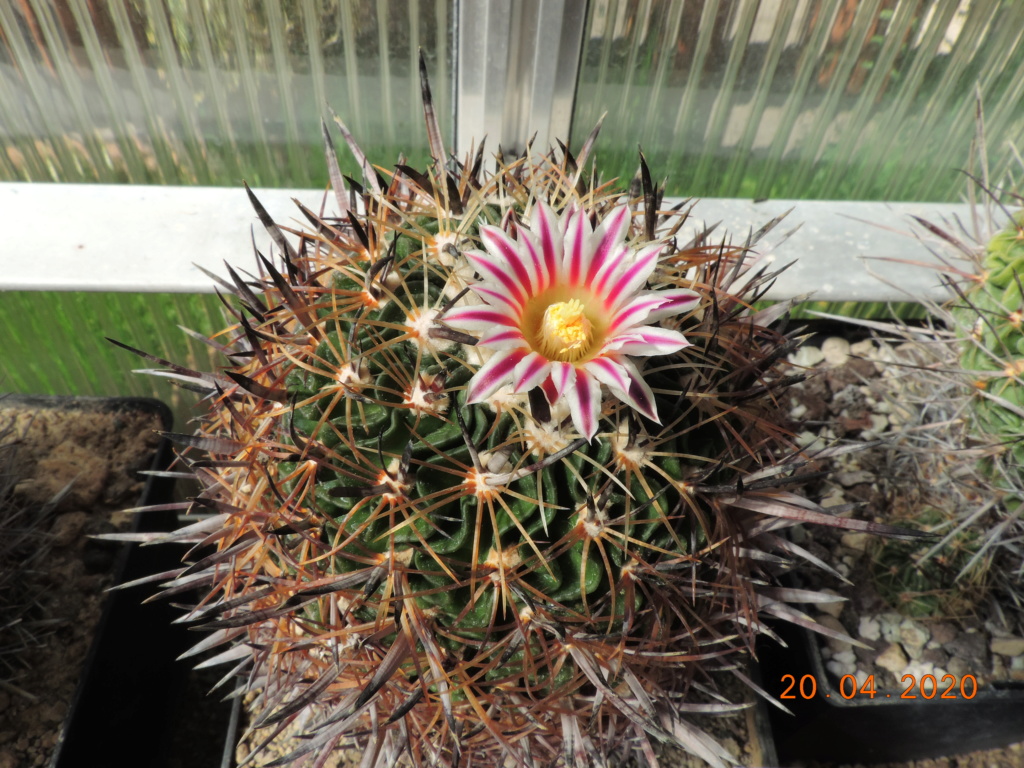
(566, 330)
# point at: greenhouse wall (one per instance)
(872, 100)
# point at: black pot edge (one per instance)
(765, 734)
(114, 715)
(830, 728)
(232, 734)
(94, 402)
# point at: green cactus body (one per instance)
(918, 586)
(993, 342)
(377, 396)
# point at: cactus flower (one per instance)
(565, 307)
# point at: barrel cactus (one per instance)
(989, 318)
(492, 469)
(961, 426)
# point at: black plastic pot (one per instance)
(127, 702)
(827, 727)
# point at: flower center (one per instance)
(565, 331)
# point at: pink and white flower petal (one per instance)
(532, 251)
(548, 388)
(677, 301)
(496, 273)
(530, 372)
(545, 226)
(639, 396)
(503, 338)
(563, 376)
(498, 299)
(609, 242)
(635, 276)
(493, 374)
(646, 341)
(498, 242)
(636, 312)
(576, 258)
(610, 372)
(479, 318)
(567, 213)
(584, 398)
(617, 261)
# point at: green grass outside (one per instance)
(53, 342)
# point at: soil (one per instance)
(916, 620)
(911, 626)
(98, 452)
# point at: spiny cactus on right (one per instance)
(992, 345)
(964, 435)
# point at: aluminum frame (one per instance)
(517, 66)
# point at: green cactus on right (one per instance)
(992, 345)
(961, 439)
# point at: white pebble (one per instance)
(890, 623)
(856, 540)
(865, 348)
(833, 608)
(892, 659)
(807, 356)
(869, 628)
(1007, 646)
(846, 657)
(918, 670)
(835, 350)
(834, 499)
(808, 439)
(958, 667)
(839, 669)
(913, 636)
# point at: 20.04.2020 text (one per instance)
(928, 687)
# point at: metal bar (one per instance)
(517, 71)
(149, 239)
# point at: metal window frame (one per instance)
(106, 239)
(517, 67)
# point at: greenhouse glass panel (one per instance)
(832, 99)
(186, 92)
(213, 91)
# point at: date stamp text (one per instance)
(925, 687)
